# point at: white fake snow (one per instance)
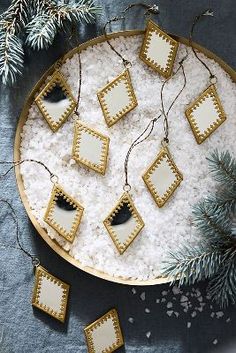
(165, 227)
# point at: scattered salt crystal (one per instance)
(194, 314)
(219, 314)
(169, 305)
(186, 310)
(176, 290)
(148, 334)
(147, 310)
(189, 324)
(134, 291)
(176, 313)
(228, 320)
(215, 341)
(157, 301)
(164, 293)
(212, 314)
(143, 296)
(163, 300)
(183, 299)
(169, 312)
(131, 320)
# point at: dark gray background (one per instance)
(23, 329)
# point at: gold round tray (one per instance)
(23, 117)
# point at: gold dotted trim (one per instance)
(110, 315)
(125, 198)
(161, 200)
(154, 28)
(212, 93)
(48, 218)
(39, 274)
(57, 78)
(79, 128)
(124, 76)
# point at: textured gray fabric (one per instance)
(23, 329)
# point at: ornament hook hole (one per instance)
(213, 80)
(54, 179)
(127, 187)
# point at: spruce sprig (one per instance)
(214, 257)
(35, 23)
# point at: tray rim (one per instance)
(23, 117)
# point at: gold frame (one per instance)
(69, 236)
(79, 126)
(160, 201)
(125, 76)
(88, 331)
(153, 27)
(210, 91)
(17, 156)
(56, 78)
(124, 198)
(42, 272)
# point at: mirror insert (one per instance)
(162, 178)
(104, 335)
(158, 50)
(63, 213)
(205, 114)
(117, 98)
(124, 223)
(50, 294)
(90, 148)
(56, 101)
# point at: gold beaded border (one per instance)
(100, 168)
(58, 191)
(113, 315)
(125, 198)
(164, 154)
(212, 92)
(153, 27)
(39, 274)
(57, 78)
(124, 76)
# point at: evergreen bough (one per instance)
(35, 23)
(214, 257)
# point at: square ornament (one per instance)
(124, 223)
(50, 294)
(205, 114)
(104, 335)
(162, 178)
(117, 98)
(64, 213)
(158, 50)
(90, 148)
(56, 101)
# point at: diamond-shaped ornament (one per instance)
(50, 294)
(90, 147)
(64, 213)
(124, 223)
(104, 335)
(163, 177)
(56, 101)
(158, 50)
(205, 114)
(117, 98)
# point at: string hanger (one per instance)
(53, 177)
(34, 258)
(149, 128)
(208, 12)
(150, 9)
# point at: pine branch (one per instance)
(190, 264)
(51, 17)
(225, 200)
(223, 168)
(17, 16)
(222, 287)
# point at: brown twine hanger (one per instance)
(151, 124)
(150, 9)
(34, 259)
(207, 12)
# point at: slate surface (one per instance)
(23, 329)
